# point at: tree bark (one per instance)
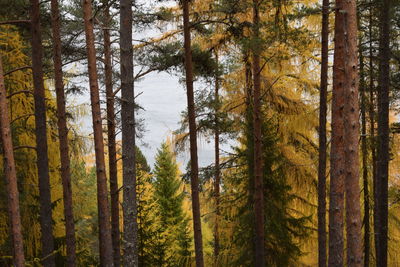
(258, 159)
(351, 133)
(322, 259)
(372, 123)
(106, 250)
(11, 177)
(112, 150)
(63, 137)
(217, 166)
(194, 170)
(47, 239)
(130, 245)
(364, 148)
(383, 134)
(336, 194)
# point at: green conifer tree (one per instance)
(169, 197)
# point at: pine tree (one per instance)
(63, 136)
(106, 250)
(194, 168)
(41, 138)
(111, 136)
(169, 197)
(128, 136)
(345, 134)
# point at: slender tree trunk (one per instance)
(249, 122)
(130, 245)
(383, 133)
(112, 150)
(372, 124)
(217, 167)
(322, 258)
(258, 159)
(364, 148)
(10, 176)
(106, 250)
(63, 137)
(194, 167)
(41, 138)
(336, 194)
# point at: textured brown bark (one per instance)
(351, 134)
(258, 159)
(364, 149)
(112, 150)
(106, 250)
(217, 167)
(383, 134)
(322, 238)
(194, 166)
(336, 194)
(63, 137)
(10, 177)
(130, 245)
(41, 138)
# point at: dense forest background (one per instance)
(298, 99)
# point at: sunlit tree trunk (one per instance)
(112, 151)
(345, 135)
(383, 134)
(106, 250)
(351, 134)
(194, 167)
(63, 137)
(41, 138)
(336, 193)
(10, 177)
(322, 259)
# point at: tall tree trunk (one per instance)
(258, 159)
(372, 122)
(364, 148)
(112, 150)
(249, 123)
(130, 245)
(194, 167)
(336, 194)
(217, 167)
(63, 137)
(322, 259)
(41, 138)
(10, 176)
(106, 250)
(383, 133)
(351, 133)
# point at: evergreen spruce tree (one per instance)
(169, 198)
(148, 227)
